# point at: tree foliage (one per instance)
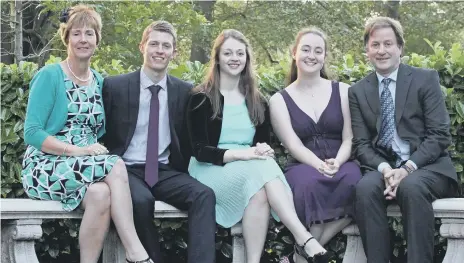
(270, 25)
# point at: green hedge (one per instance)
(59, 242)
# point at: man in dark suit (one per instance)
(149, 133)
(400, 136)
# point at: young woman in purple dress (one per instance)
(311, 117)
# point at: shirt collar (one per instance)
(146, 82)
(392, 76)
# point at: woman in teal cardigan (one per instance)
(63, 160)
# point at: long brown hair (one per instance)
(248, 84)
(293, 73)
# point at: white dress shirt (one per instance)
(399, 146)
(137, 150)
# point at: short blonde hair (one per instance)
(80, 15)
(161, 26)
(375, 23)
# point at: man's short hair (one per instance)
(161, 26)
(375, 23)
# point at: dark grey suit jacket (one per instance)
(420, 115)
(121, 102)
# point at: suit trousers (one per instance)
(414, 195)
(185, 193)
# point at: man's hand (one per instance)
(387, 174)
(400, 174)
(392, 180)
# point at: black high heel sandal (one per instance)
(321, 258)
(148, 260)
(288, 259)
(317, 258)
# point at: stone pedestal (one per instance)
(453, 231)
(18, 239)
(354, 252)
(238, 244)
(113, 250)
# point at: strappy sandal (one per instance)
(318, 258)
(148, 260)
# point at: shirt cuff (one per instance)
(382, 166)
(413, 164)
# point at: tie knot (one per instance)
(154, 89)
(386, 81)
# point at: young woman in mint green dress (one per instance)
(63, 160)
(229, 129)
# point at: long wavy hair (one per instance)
(248, 84)
(293, 73)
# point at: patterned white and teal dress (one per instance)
(64, 178)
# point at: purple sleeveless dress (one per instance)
(319, 199)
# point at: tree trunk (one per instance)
(201, 38)
(6, 37)
(18, 30)
(393, 9)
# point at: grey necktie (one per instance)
(387, 109)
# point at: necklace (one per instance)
(83, 80)
(310, 93)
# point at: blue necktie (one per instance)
(151, 160)
(387, 109)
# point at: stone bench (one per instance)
(451, 213)
(21, 227)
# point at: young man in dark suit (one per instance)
(401, 135)
(145, 113)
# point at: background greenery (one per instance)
(59, 242)
(271, 27)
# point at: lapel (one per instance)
(372, 95)
(173, 96)
(133, 95)
(403, 81)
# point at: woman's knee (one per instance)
(98, 195)
(118, 171)
(260, 197)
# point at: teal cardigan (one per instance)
(47, 107)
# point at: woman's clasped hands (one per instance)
(261, 151)
(329, 167)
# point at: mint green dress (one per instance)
(235, 183)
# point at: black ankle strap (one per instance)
(148, 260)
(309, 239)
